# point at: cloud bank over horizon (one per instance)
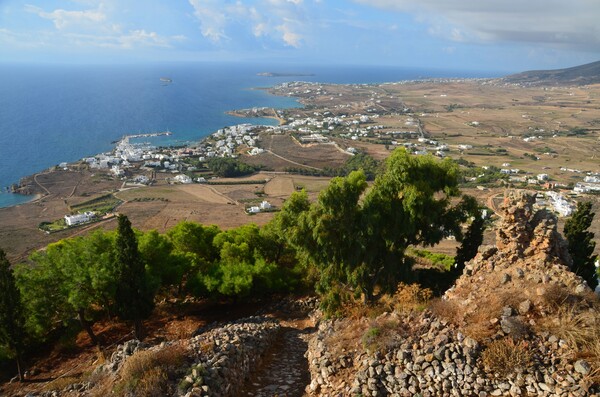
(467, 34)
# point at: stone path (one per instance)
(284, 371)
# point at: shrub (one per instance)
(505, 356)
(369, 338)
(410, 297)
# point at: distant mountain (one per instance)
(578, 75)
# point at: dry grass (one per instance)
(505, 356)
(347, 336)
(479, 324)
(60, 383)
(408, 298)
(146, 373)
(153, 383)
(579, 329)
(445, 310)
(576, 320)
(383, 336)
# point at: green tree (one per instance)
(242, 269)
(357, 238)
(11, 313)
(228, 167)
(134, 295)
(470, 243)
(275, 234)
(581, 244)
(166, 268)
(193, 251)
(70, 278)
(364, 162)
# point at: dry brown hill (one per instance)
(577, 75)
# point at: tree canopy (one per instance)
(357, 236)
(11, 312)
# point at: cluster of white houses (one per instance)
(265, 205)
(591, 183)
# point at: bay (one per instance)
(62, 113)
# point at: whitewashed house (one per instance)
(72, 220)
(182, 178)
(265, 205)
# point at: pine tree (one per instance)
(581, 244)
(134, 296)
(470, 243)
(11, 312)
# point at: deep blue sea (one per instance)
(55, 113)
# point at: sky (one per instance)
(481, 35)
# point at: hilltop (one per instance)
(577, 75)
(517, 322)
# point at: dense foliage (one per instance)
(357, 237)
(11, 312)
(227, 167)
(581, 243)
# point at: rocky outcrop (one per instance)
(529, 262)
(491, 335)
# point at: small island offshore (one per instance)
(401, 239)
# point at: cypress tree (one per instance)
(11, 312)
(470, 244)
(581, 244)
(134, 296)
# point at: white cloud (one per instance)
(65, 18)
(290, 37)
(93, 27)
(212, 19)
(278, 20)
(558, 22)
(133, 39)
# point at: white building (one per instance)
(265, 205)
(542, 177)
(76, 219)
(182, 178)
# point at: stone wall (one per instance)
(226, 355)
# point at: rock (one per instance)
(524, 306)
(582, 367)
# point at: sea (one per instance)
(62, 113)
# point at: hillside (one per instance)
(517, 322)
(577, 75)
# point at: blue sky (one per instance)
(483, 35)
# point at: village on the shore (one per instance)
(137, 164)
